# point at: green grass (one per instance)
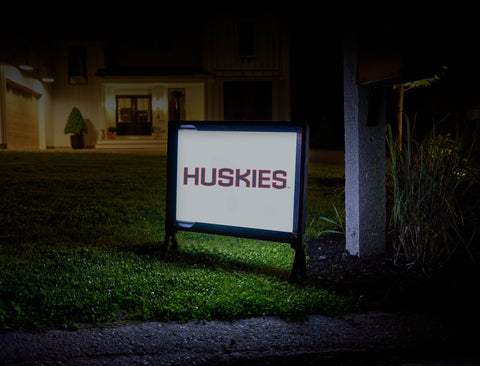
(80, 235)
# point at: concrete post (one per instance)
(365, 194)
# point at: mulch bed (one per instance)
(378, 283)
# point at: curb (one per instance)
(373, 338)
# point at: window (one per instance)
(247, 101)
(246, 39)
(134, 115)
(77, 65)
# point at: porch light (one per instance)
(157, 103)
(110, 103)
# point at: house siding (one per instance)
(86, 97)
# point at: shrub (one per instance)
(425, 181)
(75, 123)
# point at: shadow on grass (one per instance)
(213, 260)
(219, 261)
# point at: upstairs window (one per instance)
(246, 39)
(247, 101)
(77, 65)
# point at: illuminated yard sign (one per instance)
(242, 179)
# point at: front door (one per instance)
(134, 115)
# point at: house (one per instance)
(220, 68)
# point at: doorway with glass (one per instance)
(134, 115)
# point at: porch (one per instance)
(133, 143)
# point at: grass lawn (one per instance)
(80, 235)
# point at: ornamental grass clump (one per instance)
(426, 180)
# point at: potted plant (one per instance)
(112, 132)
(77, 127)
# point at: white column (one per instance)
(365, 195)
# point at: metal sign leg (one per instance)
(166, 248)
(299, 267)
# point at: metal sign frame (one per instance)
(296, 237)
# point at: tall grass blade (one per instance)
(425, 181)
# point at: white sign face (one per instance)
(237, 178)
